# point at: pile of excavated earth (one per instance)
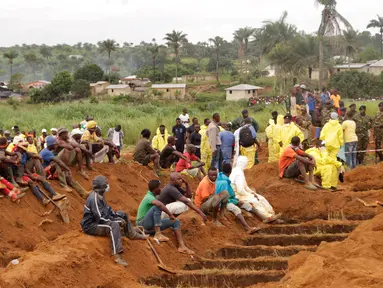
(330, 239)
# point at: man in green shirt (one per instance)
(149, 216)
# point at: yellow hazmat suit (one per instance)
(327, 167)
(249, 153)
(276, 132)
(332, 134)
(287, 132)
(206, 154)
(159, 142)
(270, 144)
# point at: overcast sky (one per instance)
(72, 21)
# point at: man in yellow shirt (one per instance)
(332, 134)
(93, 143)
(350, 139)
(287, 132)
(31, 145)
(206, 154)
(161, 139)
(335, 97)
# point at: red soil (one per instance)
(60, 255)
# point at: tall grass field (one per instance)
(132, 116)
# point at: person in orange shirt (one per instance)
(206, 199)
(335, 97)
(294, 162)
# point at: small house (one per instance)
(361, 67)
(39, 84)
(116, 90)
(5, 92)
(376, 68)
(171, 91)
(98, 88)
(242, 91)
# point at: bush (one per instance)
(93, 100)
(91, 73)
(80, 89)
(62, 83)
(354, 84)
(114, 78)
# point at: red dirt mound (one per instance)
(366, 178)
(355, 262)
(57, 255)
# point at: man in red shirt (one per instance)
(294, 163)
(187, 167)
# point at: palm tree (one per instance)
(154, 49)
(378, 23)
(217, 42)
(350, 44)
(329, 26)
(11, 55)
(108, 46)
(242, 36)
(175, 41)
(32, 60)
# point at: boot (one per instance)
(66, 189)
(118, 259)
(132, 233)
(55, 196)
(79, 189)
(45, 202)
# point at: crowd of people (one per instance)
(216, 153)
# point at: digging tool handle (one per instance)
(155, 252)
(50, 199)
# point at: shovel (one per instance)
(63, 212)
(160, 264)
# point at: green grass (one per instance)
(133, 116)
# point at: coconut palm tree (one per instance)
(175, 40)
(242, 36)
(350, 38)
(329, 26)
(108, 46)
(217, 43)
(378, 23)
(10, 56)
(154, 49)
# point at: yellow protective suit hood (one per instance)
(160, 142)
(332, 134)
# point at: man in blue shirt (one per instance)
(228, 141)
(312, 101)
(324, 97)
(53, 165)
(223, 183)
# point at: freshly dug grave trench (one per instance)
(287, 240)
(309, 229)
(270, 263)
(216, 278)
(261, 251)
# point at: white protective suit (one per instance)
(245, 194)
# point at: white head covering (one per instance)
(334, 116)
(44, 131)
(54, 129)
(17, 140)
(76, 132)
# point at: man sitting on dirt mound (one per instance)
(144, 152)
(255, 203)
(99, 219)
(294, 163)
(223, 184)
(176, 199)
(169, 155)
(207, 200)
(149, 217)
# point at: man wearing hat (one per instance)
(41, 142)
(90, 139)
(332, 134)
(54, 131)
(71, 153)
(326, 112)
(99, 219)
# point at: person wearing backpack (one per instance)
(245, 141)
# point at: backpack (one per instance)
(245, 138)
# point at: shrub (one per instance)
(93, 100)
(80, 89)
(91, 73)
(354, 84)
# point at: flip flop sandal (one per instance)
(251, 232)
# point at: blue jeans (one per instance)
(227, 153)
(153, 219)
(217, 160)
(350, 149)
